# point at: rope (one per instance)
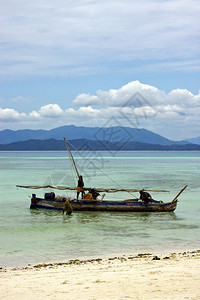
(102, 171)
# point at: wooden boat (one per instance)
(50, 201)
(129, 205)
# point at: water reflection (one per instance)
(97, 216)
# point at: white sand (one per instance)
(139, 277)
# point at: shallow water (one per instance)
(29, 236)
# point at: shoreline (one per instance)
(105, 259)
(141, 276)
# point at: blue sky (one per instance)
(80, 62)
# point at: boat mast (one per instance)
(68, 149)
(95, 167)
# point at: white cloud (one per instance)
(34, 115)
(19, 99)
(11, 115)
(138, 95)
(80, 37)
(50, 111)
(184, 97)
(174, 115)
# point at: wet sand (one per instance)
(142, 276)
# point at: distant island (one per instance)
(90, 145)
(91, 139)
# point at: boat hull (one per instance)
(115, 206)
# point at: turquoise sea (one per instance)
(35, 236)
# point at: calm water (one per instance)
(28, 236)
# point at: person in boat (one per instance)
(93, 195)
(145, 196)
(96, 195)
(88, 196)
(80, 187)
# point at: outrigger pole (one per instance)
(68, 149)
(179, 193)
(107, 190)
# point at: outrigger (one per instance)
(51, 201)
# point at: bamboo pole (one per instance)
(108, 190)
(71, 156)
(179, 193)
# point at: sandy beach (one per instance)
(142, 276)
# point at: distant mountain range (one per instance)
(194, 140)
(92, 145)
(99, 138)
(72, 132)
